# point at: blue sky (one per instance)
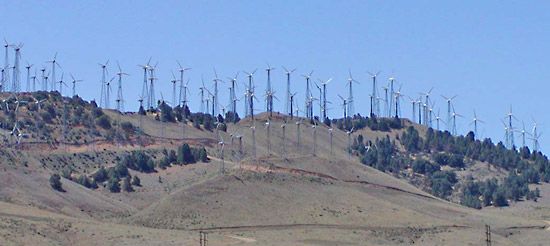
(492, 54)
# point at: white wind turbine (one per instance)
(475, 123)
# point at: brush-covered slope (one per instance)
(298, 190)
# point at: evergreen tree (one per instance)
(55, 182)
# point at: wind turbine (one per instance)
(350, 97)
(292, 104)
(103, 82)
(392, 92)
(398, 95)
(16, 73)
(5, 69)
(386, 107)
(54, 64)
(28, 67)
(474, 122)
(151, 100)
(454, 115)
(269, 91)
(523, 133)
(249, 101)
(120, 98)
(288, 101)
(413, 102)
(108, 93)
(511, 116)
(324, 97)
(61, 84)
(309, 106)
(174, 81)
(182, 87)
(320, 98)
(34, 81)
(233, 95)
(506, 134)
(449, 108)
(426, 105)
(344, 106)
(144, 89)
(215, 80)
(375, 105)
(535, 135)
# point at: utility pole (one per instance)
(488, 235)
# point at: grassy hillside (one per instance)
(291, 193)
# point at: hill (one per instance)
(377, 190)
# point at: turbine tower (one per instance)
(233, 94)
(344, 106)
(174, 82)
(398, 95)
(454, 115)
(144, 89)
(34, 81)
(324, 97)
(215, 99)
(413, 103)
(44, 80)
(151, 100)
(120, 98)
(511, 116)
(269, 91)
(108, 93)
(16, 72)
(61, 84)
(54, 64)
(183, 88)
(288, 99)
(103, 82)
(449, 108)
(523, 133)
(292, 104)
(392, 92)
(426, 106)
(535, 137)
(5, 69)
(249, 101)
(374, 95)
(28, 67)
(309, 106)
(474, 122)
(74, 84)
(350, 95)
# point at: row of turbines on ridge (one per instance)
(385, 104)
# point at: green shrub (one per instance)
(55, 182)
(136, 181)
(100, 175)
(113, 185)
(127, 185)
(104, 122)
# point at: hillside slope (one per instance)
(291, 194)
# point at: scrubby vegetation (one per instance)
(117, 178)
(426, 157)
(359, 122)
(55, 182)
